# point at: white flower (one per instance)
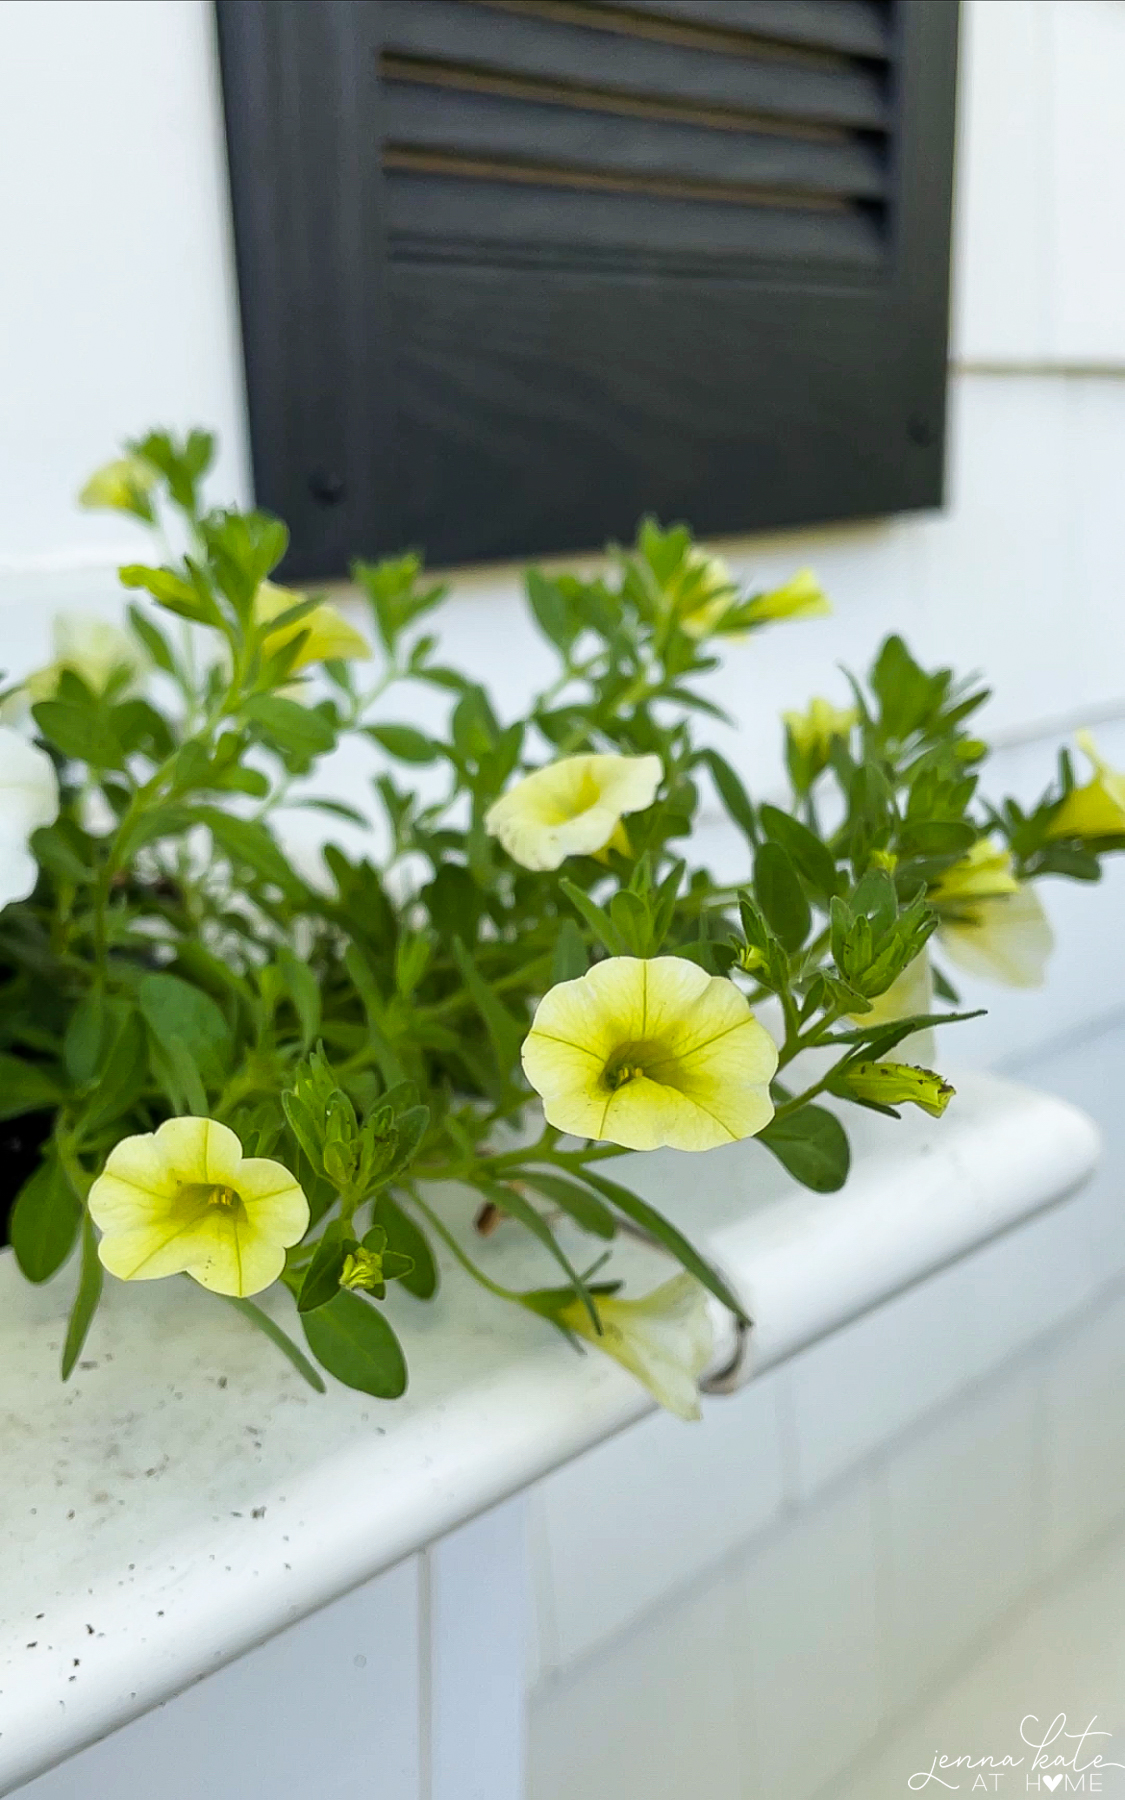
(665, 1340)
(29, 798)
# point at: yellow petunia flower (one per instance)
(184, 1199)
(989, 924)
(121, 486)
(572, 807)
(651, 1053)
(1004, 937)
(1098, 809)
(812, 731)
(800, 598)
(666, 1340)
(330, 637)
(983, 873)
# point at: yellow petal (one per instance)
(183, 1199)
(650, 1053)
(571, 807)
(329, 636)
(1007, 938)
(985, 871)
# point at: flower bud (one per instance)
(897, 1084)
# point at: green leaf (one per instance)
(26, 1087)
(405, 1238)
(304, 991)
(79, 731)
(85, 1300)
(44, 1221)
(403, 742)
(124, 1079)
(780, 895)
(569, 960)
(733, 795)
(153, 640)
(263, 1323)
(322, 1277)
(353, 1340)
(552, 613)
(291, 727)
(665, 1233)
(598, 920)
(813, 1145)
(505, 1032)
(584, 1207)
(812, 859)
(175, 1012)
(248, 841)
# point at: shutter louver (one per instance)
(624, 135)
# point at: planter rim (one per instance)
(185, 1496)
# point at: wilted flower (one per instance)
(184, 1199)
(122, 486)
(898, 1084)
(572, 807)
(29, 799)
(665, 1340)
(648, 1053)
(92, 648)
(813, 731)
(1098, 809)
(329, 637)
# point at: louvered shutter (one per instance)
(515, 271)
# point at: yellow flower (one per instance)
(1004, 937)
(93, 649)
(1098, 809)
(812, 732)
(121, 486)
(801, 598)
(983, 874)
(185, 1199)
(572, 807)
(665, 1340)
(330, 637)
(645, 1053)
(989, 924)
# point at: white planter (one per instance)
(186, 1497)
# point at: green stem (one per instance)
(466, 1261)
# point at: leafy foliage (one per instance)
(363, 1023)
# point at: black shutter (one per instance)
(513, 272)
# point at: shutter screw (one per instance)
(327, 487)
(920, 431)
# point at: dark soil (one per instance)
(20, 1141)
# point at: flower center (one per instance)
(636, 1060)
(208, 1193)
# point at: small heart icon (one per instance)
(1051, 1781)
